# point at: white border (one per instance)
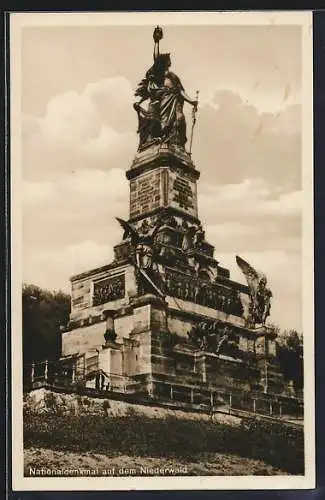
(17, 22)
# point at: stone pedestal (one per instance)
(148, 348)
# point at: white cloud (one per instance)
(251, 197)
(30, 125)
(82, 205)
(74, 116)
(87, 255)
(234, 141)
(70, 118)
(113, 98)
(106, 144)
(82, 186)
(92, 129)
(94, 184)
(37, 192)
(52, 268)
(229, 230)
(286, 204)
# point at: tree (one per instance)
(43, 313)
(290, 355)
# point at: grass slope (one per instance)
(165, 439)
(98, 464)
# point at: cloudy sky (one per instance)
(79, 138)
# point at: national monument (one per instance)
(164, 320)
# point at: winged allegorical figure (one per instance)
(142, 241)
(143, 252)
(260, 294)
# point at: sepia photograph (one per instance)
(162, 251)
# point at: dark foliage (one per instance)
(290, 356)
(276, 444)
(43, 313)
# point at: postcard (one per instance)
(162, 251)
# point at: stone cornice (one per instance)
(106, 267)
(148, 299)
(161, 156)
(169, 210)
(248, 332)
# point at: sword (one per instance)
(193, 122)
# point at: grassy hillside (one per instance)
(88, 463)
(185, 441)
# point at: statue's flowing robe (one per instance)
(172, 119)
(164, 118)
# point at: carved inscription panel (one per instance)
(160, 188)
(147, 192)
(182, 192)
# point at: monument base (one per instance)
(148, 349)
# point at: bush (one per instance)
(276, 444)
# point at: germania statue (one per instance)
(163, 121)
